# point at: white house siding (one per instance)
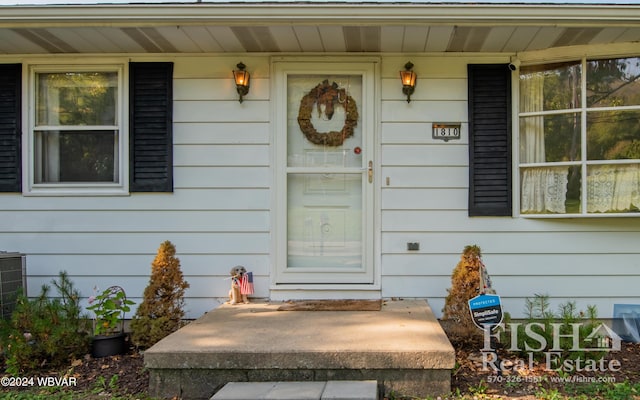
(218, 215)
(221, 213)
(590, 261)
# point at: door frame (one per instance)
(315, 286)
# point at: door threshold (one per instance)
(283, 292)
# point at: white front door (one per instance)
(325, 179)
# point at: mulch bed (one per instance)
(472, 377)
(105, 377)
(96, 375)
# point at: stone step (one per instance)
(330, 390)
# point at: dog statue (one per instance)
(241, 285)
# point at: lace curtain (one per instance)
(532, 128)
(543, 189)
(613, 188)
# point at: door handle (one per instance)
(370, 171)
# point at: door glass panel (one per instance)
(323, 121)
(325, 221)
(325, 173)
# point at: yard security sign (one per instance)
(486, 310)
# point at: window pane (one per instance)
(550, 87)
(550, 190)
(550, 138)
(76, 98)
(613, 135)
(613, 83)
(613, 188)
(76, 156)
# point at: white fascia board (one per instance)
(467, 2)
(316, 12)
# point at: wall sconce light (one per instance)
(408, 78)
(242, 80)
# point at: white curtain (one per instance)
(542, 189)
(613, 187)
(532, 128)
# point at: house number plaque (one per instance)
(445, 131)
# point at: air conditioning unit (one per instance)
(12, 278)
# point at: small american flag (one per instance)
(246, 283)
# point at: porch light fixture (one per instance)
(241, 76)
(408, 78)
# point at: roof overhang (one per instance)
(312, 27)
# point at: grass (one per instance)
(67, 394)
(102, 389)
(105, 390)
(604, 391)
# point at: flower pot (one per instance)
(104, 346)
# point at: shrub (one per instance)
(160, 312)
(465, 282)
(46, 331)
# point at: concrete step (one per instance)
(331, 390)
(402, 347)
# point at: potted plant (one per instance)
(109, 307)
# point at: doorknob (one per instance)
(370, 171)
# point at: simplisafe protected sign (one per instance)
(486, 310)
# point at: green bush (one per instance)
(46, 331)
(161, 310)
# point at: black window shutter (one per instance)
(489, 140)
(10, 127)
(150, 127)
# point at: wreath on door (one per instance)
(329, 96)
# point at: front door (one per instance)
(325, 145)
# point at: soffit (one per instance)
(312, 28)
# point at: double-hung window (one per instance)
(92, 129)
(579, 138)
(77, 129)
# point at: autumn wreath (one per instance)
(330, 96)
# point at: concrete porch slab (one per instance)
(402, 347)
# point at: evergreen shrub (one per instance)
(46, 331)
(161, 310)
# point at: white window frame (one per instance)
(583, 163)
(119, 188)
